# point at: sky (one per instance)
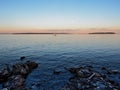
(40, 15)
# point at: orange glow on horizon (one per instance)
(58, 30)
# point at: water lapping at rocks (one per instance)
(12, 77)
(86, 78)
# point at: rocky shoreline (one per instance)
(13, 77)
(86, 78)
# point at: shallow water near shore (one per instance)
(60, 51)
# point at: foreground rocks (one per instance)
(86, 78)
(13, 77)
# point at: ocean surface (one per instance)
(59, 52)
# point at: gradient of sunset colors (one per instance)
(45, 15)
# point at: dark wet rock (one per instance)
(113, 72)
(14, 82)
(86, 78)
(32, 65)
(114, 83)
(103, 68)
(68, 87)
(110, 71)
(4, 89)
(74, 70)
(22, 58)
(4, 74)
(83, 73)
(56, 72)
(13, 77)
(24, 68)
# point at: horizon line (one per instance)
(99, 32)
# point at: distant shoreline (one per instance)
(102, 33)
(41, 33)
(60, 33)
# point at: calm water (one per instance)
(57, 52)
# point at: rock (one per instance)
(91, 76)
(83, 73)
(56, 72)
(68, 87)
(99, 85)
(4, 74)
(74, 70)
(14, 82)
(32, 65)
(22, 58)
(21, 69)
(103, 68)
(110, 71)
(13, 78)
(114, 72)
(86, 78)
(114, 83)
(4, 89)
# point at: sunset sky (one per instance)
(41, 15)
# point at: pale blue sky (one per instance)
(59, 14)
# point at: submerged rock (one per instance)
(22, 58)
(56, 72)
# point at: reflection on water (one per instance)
(57, 52)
